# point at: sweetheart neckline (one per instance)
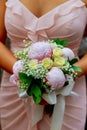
(28, 10)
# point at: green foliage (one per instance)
(77, 69)
(34, 86)
(73, 61)
(35, 91)
(25, 79)
(61, 42)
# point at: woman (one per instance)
(40, 20)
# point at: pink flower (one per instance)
(14, 79)
(40, 50)
(68, 53)
(55, 78)
(17, 67)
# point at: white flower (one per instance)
(68, 53)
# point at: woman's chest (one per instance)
(41, 7)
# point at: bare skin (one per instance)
(38, 8)
(41, 7)
(7, 59)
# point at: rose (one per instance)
(40, 50)
(47, 63)
(57, 52)
(59, 61)
(55, 78)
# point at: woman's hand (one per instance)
(82, 63)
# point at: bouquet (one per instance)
(44, 69)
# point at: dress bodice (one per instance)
(66, 21)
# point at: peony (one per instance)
(40, 50)
(68, 53)
(55, 78)
(17, 67)
(14, 79)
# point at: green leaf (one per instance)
(63, 42)
(73, 61)
(78, 69)
(24, 78)
(57, 40)
(36, 93)
(60, 42)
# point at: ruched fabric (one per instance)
(66, 21)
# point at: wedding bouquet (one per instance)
(44, 69)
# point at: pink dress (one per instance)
(66, 21)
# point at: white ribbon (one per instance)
(57, 98)
(58, 113)
(38, 113)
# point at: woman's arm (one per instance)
(82, 63)
(2, 27)
(85, 1)
(7, 59)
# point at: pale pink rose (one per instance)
(68, 53)
(55, 78)
(14, 79)
(17, 67)
(40, 50)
